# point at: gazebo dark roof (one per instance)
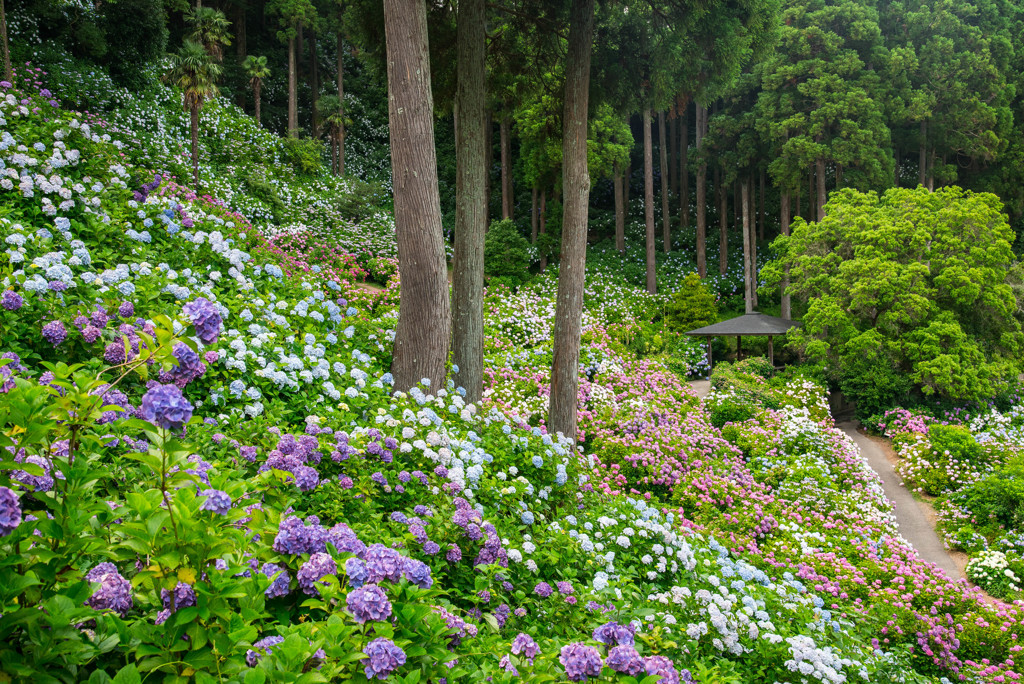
(747, 325)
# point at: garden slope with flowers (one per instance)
(206, 476)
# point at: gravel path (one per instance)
(701, 387)
(914, 522)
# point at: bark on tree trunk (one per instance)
(256, 96)
(673, 156)
(543, 227)
(620, 213)
(747, 274)
(736, 199)
(533, 215)
(194, 116)
(811, 201)
(787, 308)
(489, 150)
(314, 85)
(625, 184)
(684, 167)
(341, 99)
(723, 226)
(753, 243)
(576, 182)
(922, 159)
(666, 220)
(424, 314)
(652, 284)
(702, 197)
(798, 212)
(240, 47)
(470, 216)
(822, 197)
(506, 167)
(760, 224)
(293, 110)
(8, 71)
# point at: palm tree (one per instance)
(333, 116)
(211, 29)
(256, 70)
(196, 75)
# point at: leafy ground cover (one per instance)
(206, 475)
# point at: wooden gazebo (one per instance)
(748, 325)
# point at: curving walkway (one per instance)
(913, 520)
(701, 387)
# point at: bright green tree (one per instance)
(907, 292)
(211, 29)
(292, 14)
(256, 71)
(195, 74)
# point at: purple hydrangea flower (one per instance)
(189, 367)
(614, 634)
(431, 548)
(564, 588)
(36, 483)
(418, 573)
(355, 568)
(383, 563)
(525, 646)
(384, 657)
(54, 333)
(261, 648)
(506, 664)
(165, 407)
(99, 317)
(279, 586)
(580, 661)
(313, 570)
(454, 554)
(295, 537)
(11, 300)
(663, 667)
(114, 592)
(306, 478)
(345, 540)
(10, 511)
(216, 501)
(182, 596)
(543, 589)
(368, 603)
(126, 310)
(625, 659)
(114, 353)
(205, 318)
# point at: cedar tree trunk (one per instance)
(293, 107)
(341, 99)
(620, 212)
(747, 275)
(666, 220)
(506, 166)
(787, 308)
(652, 283)
(194, 116)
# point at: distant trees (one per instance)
(195, 74)
(256, 70)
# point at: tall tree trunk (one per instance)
(684, 166)
(787, 308)
(240, 47)
(922, 159)
(723, 225)
(314, 85)
(489, 151)
(470, 214)
(931, 171)
(761, 222)
(424, 314)
(811, 201)
(798, 211)
(747, 271)
(341, 99)
(8, 71)
(822, 197)
(625, 182)
(293, 107)
(194, 128)
(666, 220)
(896, 175)
(737, 197)
(673, 156)
(506, 166)
(752, 229)
(256, 96)
(533, 215)
(544, 227)
(620, 212)
(652, 283)
(565, 375)
(702, 196)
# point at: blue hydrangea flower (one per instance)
(166, 407)
(312, 571)
(205, 318)
(418, 573)
(10, 511)
(279, 586)
(216, 501)
(368, 603)
(114, 592)
(383, 658)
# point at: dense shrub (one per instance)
(506, 253)
(692, 306)
(306, 155)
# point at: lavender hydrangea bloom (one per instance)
(614, 634)
(165, 407)
(418, 573)
(506, 664)
(625, 659)
(313, 570)
(368, 603)
(295, 537)
(261, 648)
(10, 511)
(54, 333)
(190, 366)
(580, 661)
(345, 540)
(182, 596)
(216, 501)
(126, 310)
(564, 588)
(306, 478)
(383, 563)
(454, 554)
(37, 483)
(356, 571)
(384, 657)
(205, 318)
(114, 592)
(279, 586)
(11, 300)
(663, 667)
(431, 548)
(525, 646)
(543, 589)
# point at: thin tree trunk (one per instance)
(565, 376)
(489, 150)
(839, 176)
(8, 71)
(811, 201)
(666, 220)
(798, 211)
(737, 197)
(896, 175)
(293, 108)
(787, 308)
(723, 225)
(256, 96)
(702, 196)
(194, 116)
(684, 166)
(470, 214)
(240, 47)
(931, 171)
(424, 315)
(314, 85)
(922, 159)
(341, 100)
(620, 212)
(506, 166)
(533, 215)
(652, 283)
(752, 229)
(544, 227)
(625, 185)
(747, 274)
(760, 224)
(822, 197)
(673, 156)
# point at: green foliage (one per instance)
(136, 33)
(362, 199)
(304, 154)
(506, 253)
(906, 287)
(692, 306)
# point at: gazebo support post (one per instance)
(739, 347)
(709, 356)
(771, 350)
